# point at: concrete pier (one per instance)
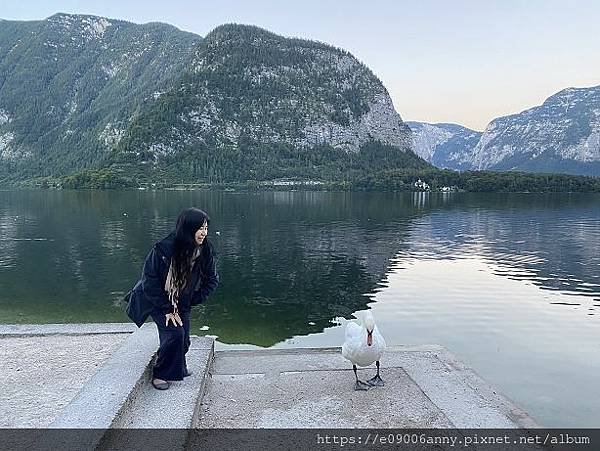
(425, 386)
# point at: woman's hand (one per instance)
(173, 317)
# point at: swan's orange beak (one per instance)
(369, 338)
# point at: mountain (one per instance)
(252, 104)
(561, 135)
(70, 83)
(444, 145)
(83, 92)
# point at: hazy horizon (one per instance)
(463, 63)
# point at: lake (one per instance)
(510, 283)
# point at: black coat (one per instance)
(149, 293)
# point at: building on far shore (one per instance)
(421, 185)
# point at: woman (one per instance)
(179, 272)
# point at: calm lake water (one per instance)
(509, 283)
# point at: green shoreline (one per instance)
(441, 180)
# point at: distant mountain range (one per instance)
(561, 135)
(86, 94)
(444, 145)
(80, 92)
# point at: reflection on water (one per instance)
(505, 281)
(557, 249)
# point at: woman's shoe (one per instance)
(160, 385)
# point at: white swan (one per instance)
(363, 346)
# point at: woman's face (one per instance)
(201, 234)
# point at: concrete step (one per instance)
(120, 397)
(34, 330)
(112, 388)
(176, 407)
(108, 393)
(167, 415)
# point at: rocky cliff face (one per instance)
(561, 135)
(247, 85)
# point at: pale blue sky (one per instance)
(456, 61)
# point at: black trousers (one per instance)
(174, 344)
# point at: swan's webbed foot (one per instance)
(360, 385)
(376, 381)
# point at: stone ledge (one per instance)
(30, 330)
(175, 408)
(107, 394)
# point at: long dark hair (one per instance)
(188, 223)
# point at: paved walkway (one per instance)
(41, 374)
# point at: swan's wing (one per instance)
(381, 345)
(352, 339)
(376, 332)
(352, 330)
